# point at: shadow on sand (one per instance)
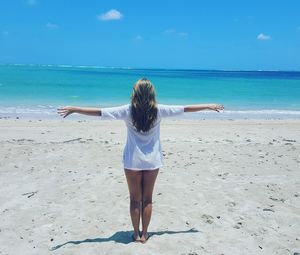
(123, 237)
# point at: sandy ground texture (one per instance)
(227, 187)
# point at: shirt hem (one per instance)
(141, 169)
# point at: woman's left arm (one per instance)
(201, 107)
(67, 110)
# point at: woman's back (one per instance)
(143, 149)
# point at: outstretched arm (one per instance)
(67, 110)
(201, 107)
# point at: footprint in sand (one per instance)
(277, 199)
(289, 140)
(207, 218)
(223, 174)
(238, 225)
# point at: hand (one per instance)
(65, 111)
(217, 107)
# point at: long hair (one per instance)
(143, 105)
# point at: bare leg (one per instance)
(134, 181)
(148, 181)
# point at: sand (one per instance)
(227, 187)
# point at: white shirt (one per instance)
(143, 149)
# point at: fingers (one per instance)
(219, 107)
(64, 111)
(68, 113)
(63, 114)
(64, 108)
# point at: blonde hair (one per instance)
(143, 105)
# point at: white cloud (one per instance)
(52, 25)
(263, 37)
(111, 15)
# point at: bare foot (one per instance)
(136, 237)
(144, 237)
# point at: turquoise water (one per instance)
(36, 89)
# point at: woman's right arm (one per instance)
(201, 107)
(67, 110)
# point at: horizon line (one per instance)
(148, 68)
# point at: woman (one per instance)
(142, 155)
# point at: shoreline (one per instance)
(221, 120)
(204, 115)
(94, 120)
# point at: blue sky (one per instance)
(152, 34)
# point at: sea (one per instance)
(36, 91)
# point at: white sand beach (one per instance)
(227, 187)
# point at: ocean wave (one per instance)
(68, 66)
(51, 110)
(245, 114)
(39, 109)
(272, 111)
(72, 66)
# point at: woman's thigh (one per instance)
(148, 181)
(134, 181)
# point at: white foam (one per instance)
(272, 111)
(63, 66)
(49, 111)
